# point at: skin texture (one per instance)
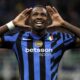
(39, 19)
(57, 21)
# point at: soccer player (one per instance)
(39, 52)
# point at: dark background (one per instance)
(68, 9)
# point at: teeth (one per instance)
(39, 22)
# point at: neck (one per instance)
(39, 32)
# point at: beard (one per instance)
(39, 28)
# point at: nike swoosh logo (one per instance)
(25, 39)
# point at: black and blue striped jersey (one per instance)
(39, 56)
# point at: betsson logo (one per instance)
(47, 50)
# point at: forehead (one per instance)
(39, 9)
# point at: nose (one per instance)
(39, 17)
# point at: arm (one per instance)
(19, 21)
(3, 29)
(71, 28)
(57, 21)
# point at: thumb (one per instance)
(50, 26)
(27, 26)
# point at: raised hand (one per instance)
(22, 18)
(57, 20)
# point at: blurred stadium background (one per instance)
(69, 9)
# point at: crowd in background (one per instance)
(68, 9)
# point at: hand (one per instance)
(22, 18)
(57, 20)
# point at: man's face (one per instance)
(39, 18)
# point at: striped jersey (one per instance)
(39, 56)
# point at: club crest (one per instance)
(39, 43)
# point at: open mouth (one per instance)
(39, 23)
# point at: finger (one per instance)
(49, 7)
(50, 26)
(27, 10)
(50, 10)
(25, 13)
(55, 10)
(26, 26)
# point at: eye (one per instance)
(43, 14)
(34, 14)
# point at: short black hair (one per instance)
(42, 6)
(44, 2)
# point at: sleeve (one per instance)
(69, 40)
(8, 40)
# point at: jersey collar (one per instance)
(37, 37)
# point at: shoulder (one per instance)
(57, 33)
(17, 33)
(64, 35)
